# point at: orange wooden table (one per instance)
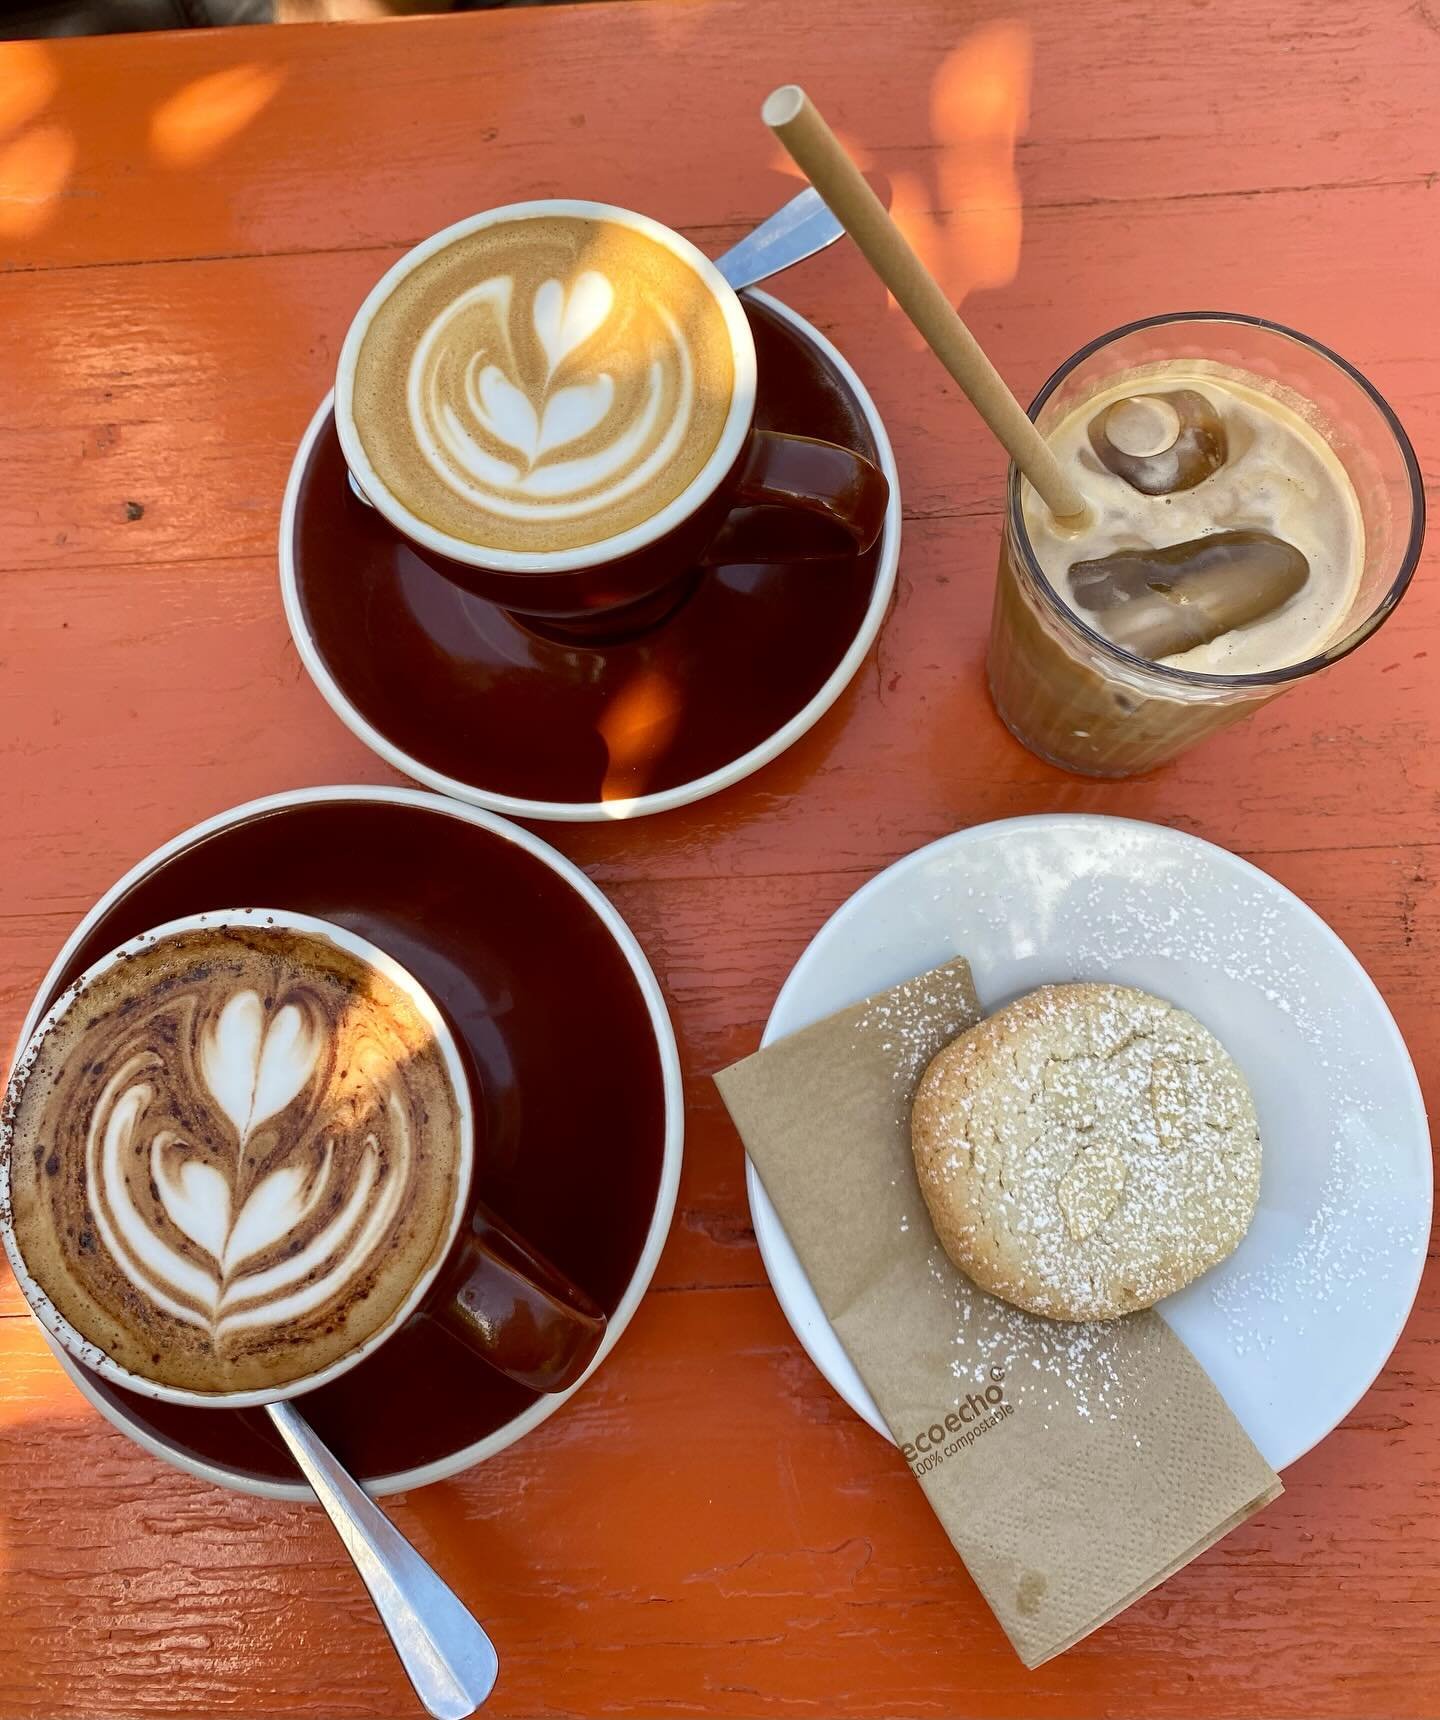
(186, 224)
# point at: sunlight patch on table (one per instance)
(35, 168)
(965, 219)
(28, 80)
(192, 125)
(36, 1388)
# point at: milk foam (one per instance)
(243, 1156)
(457, 436)
(253, 1069)
(545, 383)
(1279, 476)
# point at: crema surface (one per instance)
(544, 384)
(232, 1157)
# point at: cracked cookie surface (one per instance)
(1086, 1151)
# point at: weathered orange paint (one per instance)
(706, 1530)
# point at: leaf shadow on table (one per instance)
(47, 129)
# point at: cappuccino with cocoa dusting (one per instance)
(543, 383)
(233, 1156)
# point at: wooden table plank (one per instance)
(170, 319)
(1228, 99)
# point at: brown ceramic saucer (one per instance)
(462, 697)
(578, 1120)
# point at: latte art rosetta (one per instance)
(544, 383)
(569, 443)
(239, 1214)
(243, 1156)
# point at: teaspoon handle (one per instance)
(446, 1654)
(794, 232)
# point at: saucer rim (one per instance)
(794, 1291)
(467, 1457)
(664, 800)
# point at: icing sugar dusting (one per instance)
(1334, 1220)
(915, 1019)
(1083, 1365)
(1060, 1367)
(1335, 1258)
(1325, 1240)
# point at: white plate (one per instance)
(1298, 1322)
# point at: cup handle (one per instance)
(821, 481)
(517, 1311)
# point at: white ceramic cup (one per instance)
(660, 524)
(615, 586)
(82, 1348)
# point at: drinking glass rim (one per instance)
(739, 414)
(1261, 678)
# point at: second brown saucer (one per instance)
(563, 1034)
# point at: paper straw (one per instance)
(821, 157)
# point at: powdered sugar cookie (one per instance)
(1086, 1151)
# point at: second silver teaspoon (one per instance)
(446, 1654)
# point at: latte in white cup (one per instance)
(545, 385)
(234, 1156)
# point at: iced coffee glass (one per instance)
(1080, 700)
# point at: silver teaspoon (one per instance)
(794, 232)
(446, 1655)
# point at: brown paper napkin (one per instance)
(1073, 1467)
